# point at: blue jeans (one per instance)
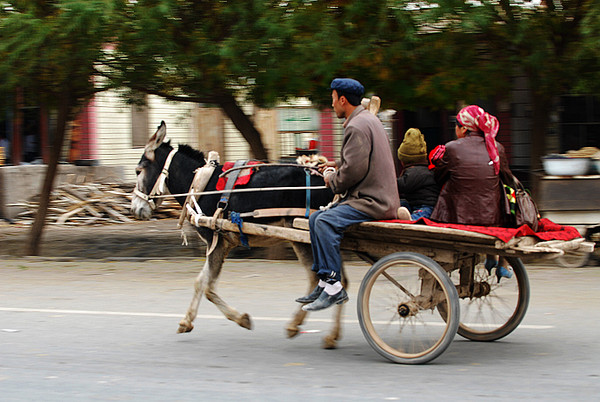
(422, 211)
(326, 233)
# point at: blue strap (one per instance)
(237, 219)
(307, 213)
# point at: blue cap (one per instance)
(348, 85)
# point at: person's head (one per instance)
(346, 95)
(474, 119)
(413, 148)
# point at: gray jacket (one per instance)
(366, 168)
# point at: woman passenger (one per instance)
(469, 169)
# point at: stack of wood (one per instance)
(91, 203)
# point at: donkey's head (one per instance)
(148, 173)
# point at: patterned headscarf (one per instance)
(476, 119)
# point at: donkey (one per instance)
(180, 175)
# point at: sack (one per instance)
(521, 205)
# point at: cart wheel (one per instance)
(501, 307)
(574, 260)
(396, 308)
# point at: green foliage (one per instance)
(49, 47)
(491, 41)
(410, 53)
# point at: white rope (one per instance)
(244, 190)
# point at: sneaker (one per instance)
(502, 272)
(314, 295)
(403, 214)
(324, 301)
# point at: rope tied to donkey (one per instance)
(237, 219)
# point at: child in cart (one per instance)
(416, 185)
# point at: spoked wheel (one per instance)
(492, 309)
(397, 304)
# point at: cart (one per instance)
(426, 283)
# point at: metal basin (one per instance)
(565, 166)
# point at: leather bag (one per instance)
(523, 209)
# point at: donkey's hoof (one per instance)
(329, 342)
(245, 321)
(292, 331)
(184, 326)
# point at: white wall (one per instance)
(113, 128)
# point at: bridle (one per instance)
(159, 186)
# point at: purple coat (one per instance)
(472, 193)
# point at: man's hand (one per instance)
(324, 166)
(327, 173)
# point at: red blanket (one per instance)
(243, 177)
(547, 230)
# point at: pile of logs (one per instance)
(91, 203)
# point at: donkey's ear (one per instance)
(155, 141)
(158, 137)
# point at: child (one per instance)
(416, 185)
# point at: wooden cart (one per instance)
(427, 283)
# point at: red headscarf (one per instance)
(476, 119)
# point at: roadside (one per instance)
(137, 240)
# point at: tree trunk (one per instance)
(35, 234)
(245, 126)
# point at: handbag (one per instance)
(520, 205)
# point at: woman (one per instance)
(469, 169)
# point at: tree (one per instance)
(259, 51)
(50, 50)
(554, 43)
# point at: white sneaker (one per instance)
(403, 214)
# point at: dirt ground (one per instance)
(138, 240)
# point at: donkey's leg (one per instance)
(185, 325)
(304, 254)
(212, 264)
(330, 341)
(216, 259)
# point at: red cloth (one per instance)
(547, 230)
(243, 178)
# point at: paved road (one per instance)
(105, 330)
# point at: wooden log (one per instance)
(120, 217)
(274, 212)
(63, 218)
(257, 229)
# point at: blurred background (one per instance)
(85, 83)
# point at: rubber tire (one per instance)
(447, 287)
(514, 320)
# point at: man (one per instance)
(366, 179)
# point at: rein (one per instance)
(243, 190)
(159, 187)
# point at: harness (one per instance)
(191, 207)
(159, 186)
